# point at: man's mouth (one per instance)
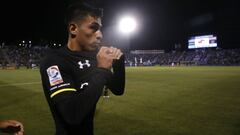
(97, 45)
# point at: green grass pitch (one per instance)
(157, 101)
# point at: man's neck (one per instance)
(73, 46)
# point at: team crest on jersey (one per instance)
(54, 75)
(86, 64)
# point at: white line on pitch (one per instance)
(17, 84)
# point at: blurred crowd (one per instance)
(21, 56)
(214, 57)
(13, 56)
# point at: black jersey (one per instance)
(73, 83)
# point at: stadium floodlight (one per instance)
(127, 24)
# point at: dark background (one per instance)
(163, 22)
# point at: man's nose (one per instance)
(99, 35)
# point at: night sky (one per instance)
(163, 23)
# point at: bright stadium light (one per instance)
(127, 24)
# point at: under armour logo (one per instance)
(84, 84)
(84, 64)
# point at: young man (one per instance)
(74, 76)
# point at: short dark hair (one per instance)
(77, 11)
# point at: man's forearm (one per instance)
(75, 108)
(117, 83)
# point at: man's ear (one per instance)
(73, 28)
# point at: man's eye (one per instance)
(94, 27)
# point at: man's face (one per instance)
(88, 33)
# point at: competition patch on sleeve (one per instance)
(54, 75)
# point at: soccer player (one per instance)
(11, 126)
(73, 77)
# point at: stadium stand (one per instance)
(15, 57)
(12, 56)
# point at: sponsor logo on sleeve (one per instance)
(54, 75)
